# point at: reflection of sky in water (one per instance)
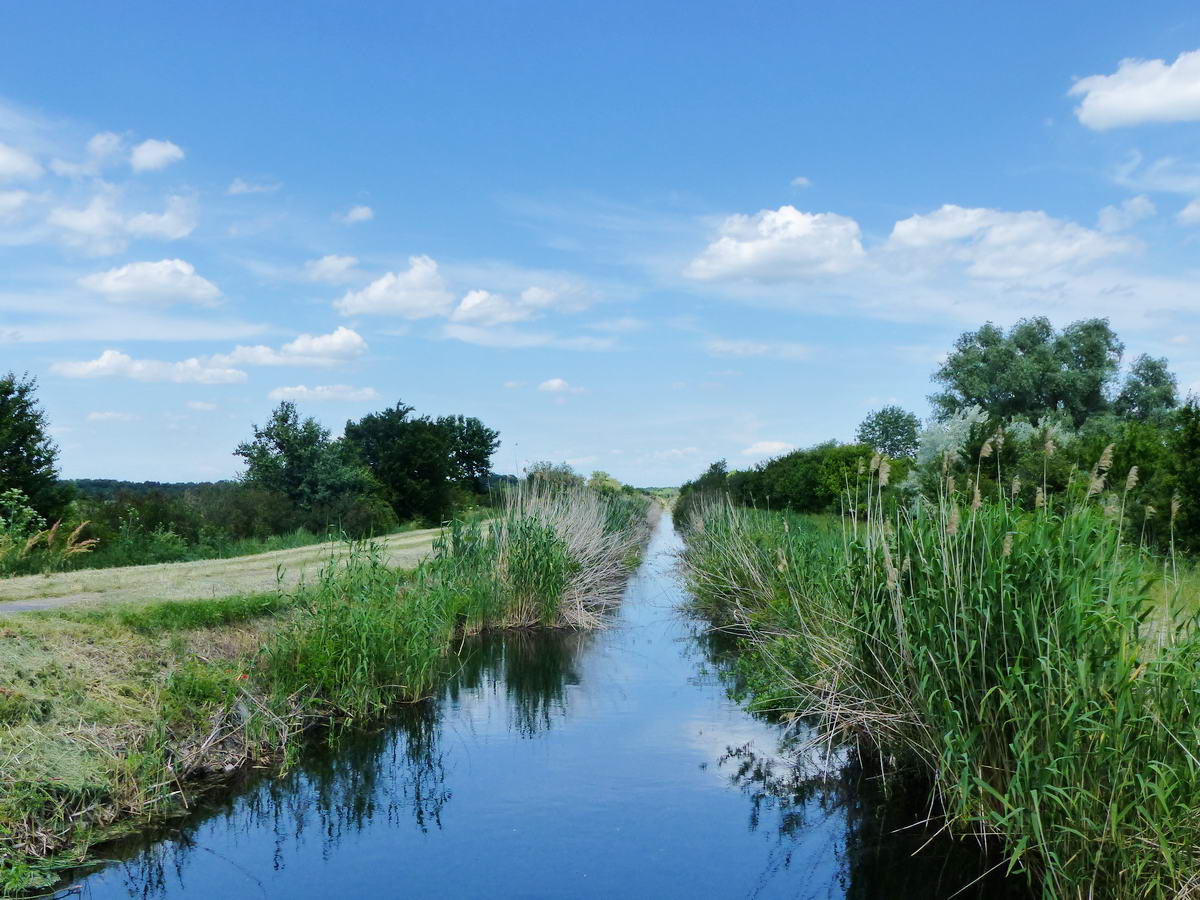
(552, 764)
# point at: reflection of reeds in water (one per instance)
(367, 779)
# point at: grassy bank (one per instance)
(111, 716)
(1038, 671)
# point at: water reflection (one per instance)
(558, 764)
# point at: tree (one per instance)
(603, 483)
(473, 444)
(412, 460)
(891, 431)
(1031, 371)
(554, 475)
(1184, 445)
(298, 459)
(28, 457)
(1149, 392)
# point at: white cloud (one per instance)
(1168, 174)
(177, 221)
(112, 417)
(1190, 214)
(241, 186)
(355, 214)
(154, 154)
(739, 348)
(513, 385)
(619, 326)
(12, 202)
(486, 308)
(100, 228)
(331, 269)
(167, 280)
(324, 392)
(1001, 245)
(513, 339)
(341, 345)
(558, 386)
(766, 448)
(1141, 91)
(103, 149)
(418, 293)
(779, 245)
(801, 181)
(1119, 218)
(201, 405)
(114, 364)
(676, 453)
(17, 165)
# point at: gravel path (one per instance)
(194, 580)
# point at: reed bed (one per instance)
(110, 716)
(1041, 673)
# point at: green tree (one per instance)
(1032, 370)
(1149, 391)
(297, 458)
(412, 459)
(891, 431)
(28, 457)
(558, 475)
(603, 483)
(1184, 444)
(473, 444)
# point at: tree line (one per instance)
(1058, 402)
(389, 469)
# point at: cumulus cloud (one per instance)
(486, 308)
(154, 154)
(355, 214)
(112, 417)
(1130, 212)
(114, 364)
(1001, 245)
(738, 348)
(321, 393)
(777, 245)
(1190, 214)
(102, 150)
(766, 448)
(17, 165)
(1141, 91)
(241, 186)
(341, 345)
(100, 228)
(417, 293)
(165, 281)
(177, 221)
(331, 269)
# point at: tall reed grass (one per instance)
(159, 695)
(1021, 659)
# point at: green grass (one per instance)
(1009, 655)
(108, 713)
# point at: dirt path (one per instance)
(193, 580)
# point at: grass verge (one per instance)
(111, 716)
(1043, 676)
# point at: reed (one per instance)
(1039, 671)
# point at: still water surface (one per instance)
(558, 764)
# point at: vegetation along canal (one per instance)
(559, 763)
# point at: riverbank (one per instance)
(112, 716)
(1037, 673)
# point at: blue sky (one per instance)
(634, 236)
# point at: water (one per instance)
(557, 764)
